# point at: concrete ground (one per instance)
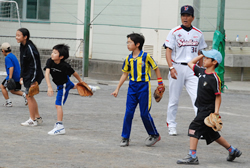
(93, 128)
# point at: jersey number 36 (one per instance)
(193, 49)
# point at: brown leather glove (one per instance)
(34, 89)
(213, 121)
(158, 94)
(83, 89)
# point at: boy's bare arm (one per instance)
(201, 60)
(76, 75)
(122, 80)
(50, 90)
(194, 61)
(158, 73)
(11, 70)
(217, 104)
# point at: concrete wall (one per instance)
(237, 19)
(61, 24)
(161, 17)
(152, 18)
(66, 21)
(109, 41)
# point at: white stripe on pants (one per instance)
(185, 78)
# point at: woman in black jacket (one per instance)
(31, 72)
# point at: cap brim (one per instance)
(206, 54)
(187, 13)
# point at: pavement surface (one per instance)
(93, 128)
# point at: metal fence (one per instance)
(45, 45)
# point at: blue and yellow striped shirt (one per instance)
(139, 67)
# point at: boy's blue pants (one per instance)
(138, 92)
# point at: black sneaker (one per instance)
(236, 153)
(124, 142)
(188, 160)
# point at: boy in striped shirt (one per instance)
(137, 66)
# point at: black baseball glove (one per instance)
(11, 84)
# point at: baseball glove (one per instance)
(11, 84)
(213, 121)
(34, 89)
(159, 92)
(83, 89)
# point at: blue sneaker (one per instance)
(235, 154)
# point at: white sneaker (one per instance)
(93, 88)
(29, 122)
(25, 101)
(39, 120)
(8, 104)
(172, 131)
(58, 130)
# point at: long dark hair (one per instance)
(26, 32)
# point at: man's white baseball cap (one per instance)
(215, 54)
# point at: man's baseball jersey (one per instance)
(185, 43)
(139, 67)
(209, 86)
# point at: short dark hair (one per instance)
(137, 38)
(63, 50)
(9, 50)
(187, 14)
(216, 64)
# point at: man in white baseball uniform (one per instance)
(183, 43)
